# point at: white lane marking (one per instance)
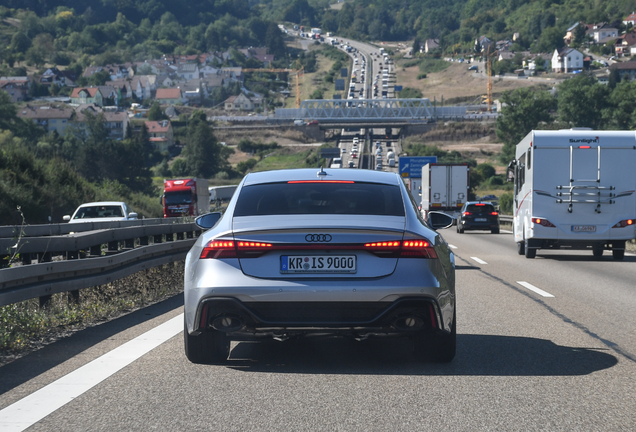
(33, 408)
(452, 246)
(506, 231)
(535, 289)
(480, 261)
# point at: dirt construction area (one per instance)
(457, 82)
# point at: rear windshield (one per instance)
(98, 212)
(320, 198)
(480, 208)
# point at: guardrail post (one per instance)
(73, 297)
(113, 247)
(45, 300)
(129, 243)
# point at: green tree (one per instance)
(621, 110)
(202, 151)
(523, 110)
(274, 41)
(582, 101)
(155, 113)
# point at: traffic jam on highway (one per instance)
(346, 280)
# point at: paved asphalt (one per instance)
(524, 362)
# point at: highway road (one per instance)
(543, 344)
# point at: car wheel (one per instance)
(494, 231)
(521, 248)
(439, 347)
(597, 252)
(618, 254)
(460, 230)
(208, 347)
(530, 252)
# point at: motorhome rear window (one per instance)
(353, 198)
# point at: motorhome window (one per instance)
(529, 161)
(521, 172)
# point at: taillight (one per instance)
(494, 213)
(543, 222)
(624, 223)
(403, 249)
(466, 214)
(219, 249)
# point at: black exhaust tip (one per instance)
(228, 323)
(408, 323)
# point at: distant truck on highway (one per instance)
(444, 187)
(221, 193)
(185, 197)
(574, 189)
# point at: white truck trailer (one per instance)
(574, 189)
(221, 193)
(444, 186)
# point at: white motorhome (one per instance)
(574, 189)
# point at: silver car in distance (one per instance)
(320, 252)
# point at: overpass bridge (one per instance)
(373, 111)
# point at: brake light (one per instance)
(319, 181)
(624, 223)
(466, 214)
(494, 213)
(584, 147)
(480, 205)
(404, 249)
(219, 249)
(543, 222)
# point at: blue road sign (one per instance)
(397, 88)
(411, 167)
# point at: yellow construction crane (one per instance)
(300, 73)
(489, 78)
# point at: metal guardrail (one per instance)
(82, 261)
(506, 219)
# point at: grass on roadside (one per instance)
(24, 326)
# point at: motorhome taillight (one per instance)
(543, 222)
(624, 223)
(585, 147)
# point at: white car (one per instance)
(103, 211)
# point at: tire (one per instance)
(521, 248)
(529, 252)
(439, 347)
(494, 231)
(459, 230)
(209, 347)
(618, 254)
(597, 252)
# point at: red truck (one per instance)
(185, 197)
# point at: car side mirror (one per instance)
(66, 217)
(208, 220)
(439, 220)
(132, 215)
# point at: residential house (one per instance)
(161, 134)
(242, 103)
(567, 60)
(110, 95)
(55, 76)
(506, 55)
(631, 19)
(539, 61)
(116, 122)
(626, 70)
(169, 96)
(604, 34)
(569, 33)
(52, 118)
(208, 70)
(171, 112)
(484, 45)
(191, 91)
(116, 72)
(188, 71)
(122, 88)
(232, 74)
(624, 44)
(430, 45)
(143, 86)
(16, 87)
(87, 95)
(208, 84)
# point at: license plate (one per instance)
(481, 220)
(318, 264)
(584, 228)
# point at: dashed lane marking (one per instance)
(535, 289)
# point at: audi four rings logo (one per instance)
(318, 238)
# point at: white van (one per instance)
(574, 189)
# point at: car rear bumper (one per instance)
(248, 320)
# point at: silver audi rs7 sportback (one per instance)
(320, 252)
